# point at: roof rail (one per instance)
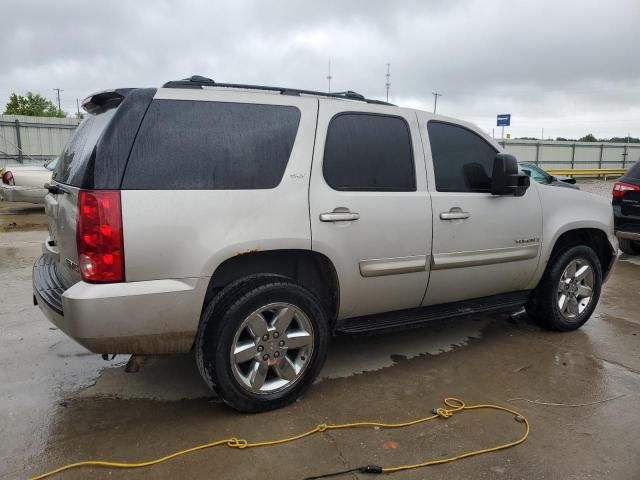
(198, 81)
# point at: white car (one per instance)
(26, 183)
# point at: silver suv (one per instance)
(249, 224)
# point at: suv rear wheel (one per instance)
(261, 342)
(569, 290)
(629, 246)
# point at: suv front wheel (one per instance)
(261, 342)
(569, 290)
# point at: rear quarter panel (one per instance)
(31, 177)
(188, 233)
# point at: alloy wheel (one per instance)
(272, 348)
(575, 288)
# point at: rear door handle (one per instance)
(456, 213)
(339, 217)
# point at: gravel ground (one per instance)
(599, 187)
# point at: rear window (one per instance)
(76, 157)
(634, 171)
(211, 145)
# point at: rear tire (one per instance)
(629, 247)
(261, 342)
(569, 290)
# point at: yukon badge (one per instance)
(524, 241)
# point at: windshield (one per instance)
(52, 164)
(536, 173)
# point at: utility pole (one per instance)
(435, 100)
(542, 135)
(78, 107)
(329, 77)
(58, 90)
(388, 84)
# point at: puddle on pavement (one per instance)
(353, 355)
(347, 356)
(23, 218)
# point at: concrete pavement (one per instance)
(62, 404)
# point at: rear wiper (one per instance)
(55, 189)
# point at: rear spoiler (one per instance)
(105, 100)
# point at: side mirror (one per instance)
(507, 178)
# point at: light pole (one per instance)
(388, 84)
(329, 77)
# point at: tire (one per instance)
(544, 306)
(244, 325)
(629, 246)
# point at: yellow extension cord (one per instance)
(454, 404)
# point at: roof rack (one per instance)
(197, 81)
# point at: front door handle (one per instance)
(339, 216)
(456, 213)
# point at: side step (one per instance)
(416, 317)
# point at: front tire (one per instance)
(569, 290)
(261, 342)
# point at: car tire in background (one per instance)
(629, 246)
(569, 290)
(261, 342)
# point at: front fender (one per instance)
(564, 210)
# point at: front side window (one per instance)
(369, 152)
(462, 159)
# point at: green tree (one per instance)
(588, 138)
(32, 104)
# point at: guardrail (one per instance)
(589, 172)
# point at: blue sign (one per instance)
(504, 120)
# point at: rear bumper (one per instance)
(14, 193)
(150, 317)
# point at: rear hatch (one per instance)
(61, 204)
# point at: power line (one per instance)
(435, 100)
(388, 84)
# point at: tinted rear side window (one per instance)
(462, 160)
(75, 159)
(211, 145)
(366, 152)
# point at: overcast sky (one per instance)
(570, 67)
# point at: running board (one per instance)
(416, 317)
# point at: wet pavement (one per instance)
(62, 404)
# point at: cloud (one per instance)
(566, 66)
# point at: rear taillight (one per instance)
(7, 178)
(99, 236)
(620, 188)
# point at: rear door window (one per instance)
(186, 144)
(369, 152)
